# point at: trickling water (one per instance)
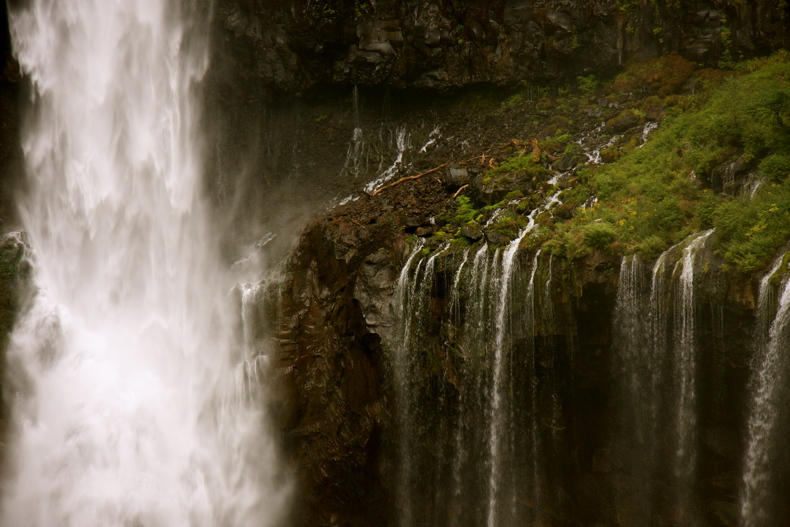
(685, 371)
(647, 130)
(402, 144)
(768, 419)
(124, 372)
(655, 344)
(637, 361)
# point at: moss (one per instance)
(466, 212)
(523, 165)
(663, 76)
(556, 144)
(508, 225)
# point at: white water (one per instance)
(767, 409)
(534, 425)
(685, 364)
(126, 409)
(404, 303)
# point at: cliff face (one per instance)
(333, 311)
(419, 44)
(342, 335)
(455, 351)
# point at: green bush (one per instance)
(599, 235)
(466, 211)
(775, 167)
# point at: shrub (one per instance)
(775, 167)
(599, 235)
(587, 85)
(466, 211)
(706, 209)
(519, 165)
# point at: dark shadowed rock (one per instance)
(472, 231)
(417, 43)
(497, 238)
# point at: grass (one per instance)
(654, 196)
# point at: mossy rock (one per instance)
(624, 120)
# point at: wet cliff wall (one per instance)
(353, 429)
(451, 341)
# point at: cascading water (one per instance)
(655, 339)
(463, 457)
(636, 362)
(126, 410)
(685, 371)
(762, 497)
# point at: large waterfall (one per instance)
(127, 408)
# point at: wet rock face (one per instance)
(437, 45)
(333, 310)
(16, 289)
(339, 410)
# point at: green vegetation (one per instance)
(663, 76)
(587, 85)
(718, 129)
(466, 212)
(656, 195)
(520, 164)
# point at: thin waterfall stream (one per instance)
(768, 419)
(127, 402)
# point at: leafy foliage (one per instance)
(655, 196)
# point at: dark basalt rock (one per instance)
(337, 411)
(472, 231)
(416, 43)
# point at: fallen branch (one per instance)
(458, 192)
(431, 171)
(407, 178)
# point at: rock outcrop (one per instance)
(337, 314)
(438, 45)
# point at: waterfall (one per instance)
(655, 349)
(685, 371)
(499, 417)
(123, 373)
(636, 361)
(768, 419)
(464, 455)
(407, 307)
